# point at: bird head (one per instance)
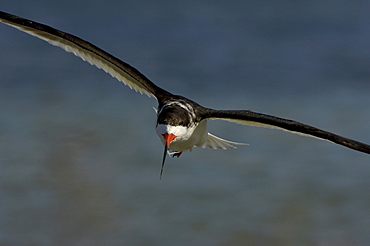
(173, 125)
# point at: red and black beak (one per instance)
(168, 138)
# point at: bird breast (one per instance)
(187, 137)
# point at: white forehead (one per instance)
(175, 130)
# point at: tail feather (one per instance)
(219, 143)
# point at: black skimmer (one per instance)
(181, 123)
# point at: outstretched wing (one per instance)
(88, 52)
(247, 117)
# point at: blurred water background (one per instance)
(80, 159)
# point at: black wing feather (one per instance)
(88, 52)
(248, 117)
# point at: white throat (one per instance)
(182, 133)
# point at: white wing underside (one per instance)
(257, 124)
(85, 55)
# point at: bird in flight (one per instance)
(181, 123)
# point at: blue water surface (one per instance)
(80, 159)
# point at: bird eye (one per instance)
(184, 123)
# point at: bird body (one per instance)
(181, 123)
(183, 118)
